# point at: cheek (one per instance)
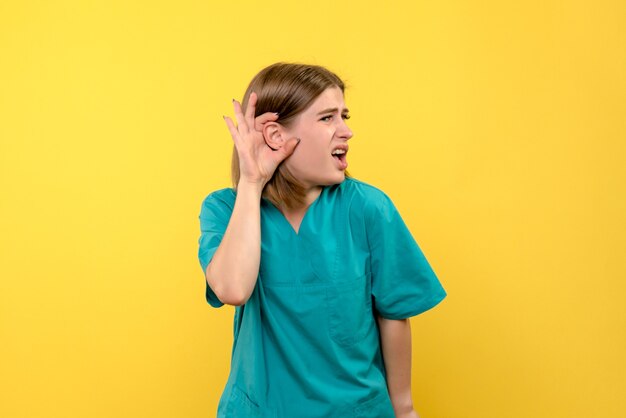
(307, 160)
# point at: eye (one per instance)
(345, 116)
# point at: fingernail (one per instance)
(277, 114)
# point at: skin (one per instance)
(234, 268)
(395, 339)
(305, 147)
(312, 163)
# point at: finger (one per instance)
(233, 130)
(241, 122)
(288, 148)
(250, 108)
(263, 119)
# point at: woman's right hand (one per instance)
(257, 161)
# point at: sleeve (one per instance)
(214, 217)
(403, 283)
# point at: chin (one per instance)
(328, 180)
(336, 179)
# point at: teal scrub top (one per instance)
(306, 343)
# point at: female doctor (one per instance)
(320, 267)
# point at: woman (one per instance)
(321, 268)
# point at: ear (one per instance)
(274, 135)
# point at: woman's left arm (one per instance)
(395, 336)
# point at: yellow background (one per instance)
(498, 129)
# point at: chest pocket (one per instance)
(350, 316)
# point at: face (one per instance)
(322, 129)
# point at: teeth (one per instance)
(338, 151)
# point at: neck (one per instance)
(310, 195)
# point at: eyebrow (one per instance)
(333, 110)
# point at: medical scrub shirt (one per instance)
(306, 343)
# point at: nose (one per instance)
(343, 131)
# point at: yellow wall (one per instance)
(497, 128)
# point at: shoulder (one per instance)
(226, 195)
(364, 193)
(359, 189)
(222, 200)
(366, 198)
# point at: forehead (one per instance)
(330, 98)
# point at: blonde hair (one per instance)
(289, 89)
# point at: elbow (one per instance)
(231, 294)
(232, 298)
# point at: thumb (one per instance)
(290, 147)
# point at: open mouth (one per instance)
(340, 156)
